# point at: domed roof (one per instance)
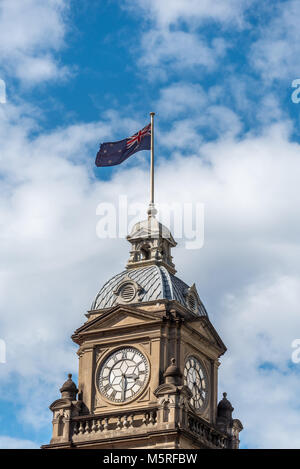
(151, 228)
(155, 282)
(69, 389)
(172, 369)
(225, 404)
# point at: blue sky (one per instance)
(219, 77)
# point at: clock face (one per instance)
(195, 379)
(123, 374)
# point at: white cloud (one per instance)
(180, 98)
(173, 11)
(221, 110)
(32, 70)
(6, 442)
(276, 53)
(166, 51)
(172, 40)
(192, 112)
(265, 320)
(30, 32)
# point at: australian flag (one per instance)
(112, 153)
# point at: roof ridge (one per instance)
(168, 276)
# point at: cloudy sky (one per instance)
(219, 77)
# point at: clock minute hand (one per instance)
(132, 376)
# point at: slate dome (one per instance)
(155, 282)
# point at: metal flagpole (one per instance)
(152, 211)
(152, 114)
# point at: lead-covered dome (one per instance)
(150, 272)
(151, 228)
(145, 284)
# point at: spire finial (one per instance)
(151, 210)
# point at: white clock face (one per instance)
(195, 379)
(123, 374)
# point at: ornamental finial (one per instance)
(151, 210)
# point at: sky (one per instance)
(219, 76)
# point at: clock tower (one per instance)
(148, 362)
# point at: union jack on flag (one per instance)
(113, 153)
(137, 138)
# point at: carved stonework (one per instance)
(148, 362)
(99, 352)
(151, 244)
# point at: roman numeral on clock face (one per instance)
(195, 379)
(139, 363)
(139, 382)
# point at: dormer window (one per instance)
(192, 302)
(192, 299)
(145, 252)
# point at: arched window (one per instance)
(145, 252)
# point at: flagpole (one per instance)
(152, 211)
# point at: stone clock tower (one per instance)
(148, 362)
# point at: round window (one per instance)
(127, 292)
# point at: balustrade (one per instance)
(206, 432)
(120, 422)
